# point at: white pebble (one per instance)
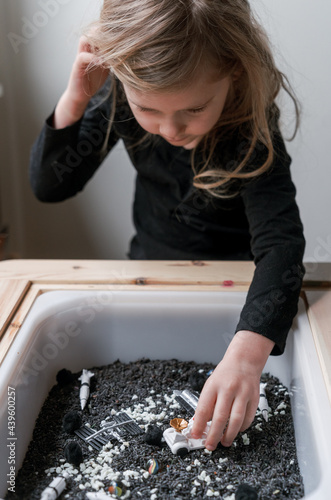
(245, 439)
(188, 468)
(96, 484)
(131, 473)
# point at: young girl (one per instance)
(190, 87)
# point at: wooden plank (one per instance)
(128, 271)
(45, 287)
(318, 274)
(17, 320)
(11, 294)
(319, 307)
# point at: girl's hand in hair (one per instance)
(86, 78)
(230, 396)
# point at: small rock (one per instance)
(246, 492)
(64, 377)
(73, 453)
(153, 435)
(71, 422)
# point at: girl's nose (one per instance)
(171, 129)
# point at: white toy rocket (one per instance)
(263, 403)
(84, 392)
(55, 488)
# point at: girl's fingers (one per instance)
(250, 415)
(84, 59)
(203, 413)
(230, 414)
(236, 418)
(215, 434)
(83, 45)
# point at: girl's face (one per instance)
(183, 117)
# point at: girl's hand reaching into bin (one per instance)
(230, 396)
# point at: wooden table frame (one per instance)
(22, 281)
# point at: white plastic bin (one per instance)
(76, 330)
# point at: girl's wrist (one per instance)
(250, 348)
(68, 112)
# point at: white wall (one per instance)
(97, 223)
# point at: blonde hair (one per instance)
(158, 45)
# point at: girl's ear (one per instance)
(236, 75)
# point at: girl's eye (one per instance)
(145, 110)
(197, 110)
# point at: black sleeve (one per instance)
(277, 244)
(62, 161)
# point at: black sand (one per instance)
(268, 462)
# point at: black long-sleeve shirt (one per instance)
(173, 220)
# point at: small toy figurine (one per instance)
(85, 387)
(55, 488)
(263, 403)
(178, 437)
